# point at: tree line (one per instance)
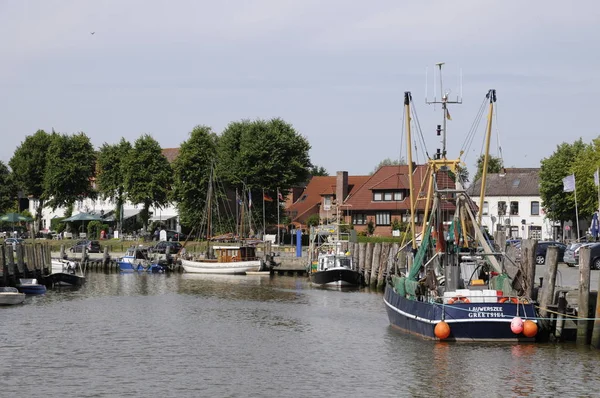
(249, 155)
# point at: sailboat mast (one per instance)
(491, 95)
(407, 100)
(444, 111)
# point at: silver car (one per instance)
(571, 257)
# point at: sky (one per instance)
(336, 70)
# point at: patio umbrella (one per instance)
(83, 217)
(13, 218)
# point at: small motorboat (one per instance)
(10, 296)
(31, 286)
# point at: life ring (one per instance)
(458, 299)
(513, 300)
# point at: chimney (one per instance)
(341, 187)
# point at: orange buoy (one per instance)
(530, 328)
(442, 330)
(516, 325)
(513, 300)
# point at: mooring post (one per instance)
(596, 331)
(528, 249)
(584, 296)
(62, 252)
(362, 250)
(3, 266)
(547, 294)
(105, 257)
(560, 319)
(368, 262)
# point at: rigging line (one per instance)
(473, 129)
(498, 134)
(418, 125)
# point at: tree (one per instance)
(558, 205)
(148, 176)
(192, 170)
(494, 166)
(313, 220)
(70, 170)
(318, 171)
(28, 165)
(584, 166)
(388, 162)
(261, 154)
(110, 173)
(8, 192)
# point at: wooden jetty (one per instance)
(24, 261)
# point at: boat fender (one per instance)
(458, 299)
(513, 300)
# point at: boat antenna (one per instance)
(444, 101)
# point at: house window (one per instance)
(514, 208)
(359, 219)
(327, 200)
(535, 232)
(377, 196)
(535, 208)
(406, 217)
(502, 208)
(382, 218)
(387, 196)
(398, 196)
(485, 208)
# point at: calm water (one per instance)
(252, 336)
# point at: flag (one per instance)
(594, 226)
(569, 183)
(448, 115)
(249, 199)
(597, 177)
(267, 198)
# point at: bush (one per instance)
(370, 227)
(94, 228)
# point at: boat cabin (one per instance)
(328, 261)
(226, 254)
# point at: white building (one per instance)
(512, 201)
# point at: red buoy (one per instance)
(442, 330)
(530, 328)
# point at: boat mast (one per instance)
(209, 212)
(491, 95)
(407, 100)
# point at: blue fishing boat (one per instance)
(457, 287)
(31, 286)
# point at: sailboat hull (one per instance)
(337, 277)
(230, 268)
(467, 321)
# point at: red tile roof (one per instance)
(170, 153)
(307, 203)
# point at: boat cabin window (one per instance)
(345, 262)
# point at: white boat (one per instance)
(11, 296)
(233, 260)
(65, 273)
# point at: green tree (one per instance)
(148, 176)
(110, 173)
(261, 154)
(28, 165)
(559, 205)
(313, 220)
(388, 162)
(70, 170)
(584, 166)
(494, 166)
(8, 192)
(318, 171)
(191, 170)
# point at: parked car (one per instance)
(594, 255)
(11, 241)
(571, 257)
(175, 236)
(92, 246)
(542, 247)
(161, 247)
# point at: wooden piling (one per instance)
(20, 261)
(528, 248)
(362, 251)
(584, 296)
(374, 264)
(596, 330)
(383, 263)
(547, 294)
(3, 266)
(105, 257)
(62, 251)
(368, 262)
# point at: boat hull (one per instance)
(230, 268)
(65, 279)
(10, 298)
(32, 289)
(337, 277)
(467, 321)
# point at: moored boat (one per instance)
(30, 286)
(233, 260)
(65, 273)
(11, 296)
(457, 287)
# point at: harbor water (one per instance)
(151, 335)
